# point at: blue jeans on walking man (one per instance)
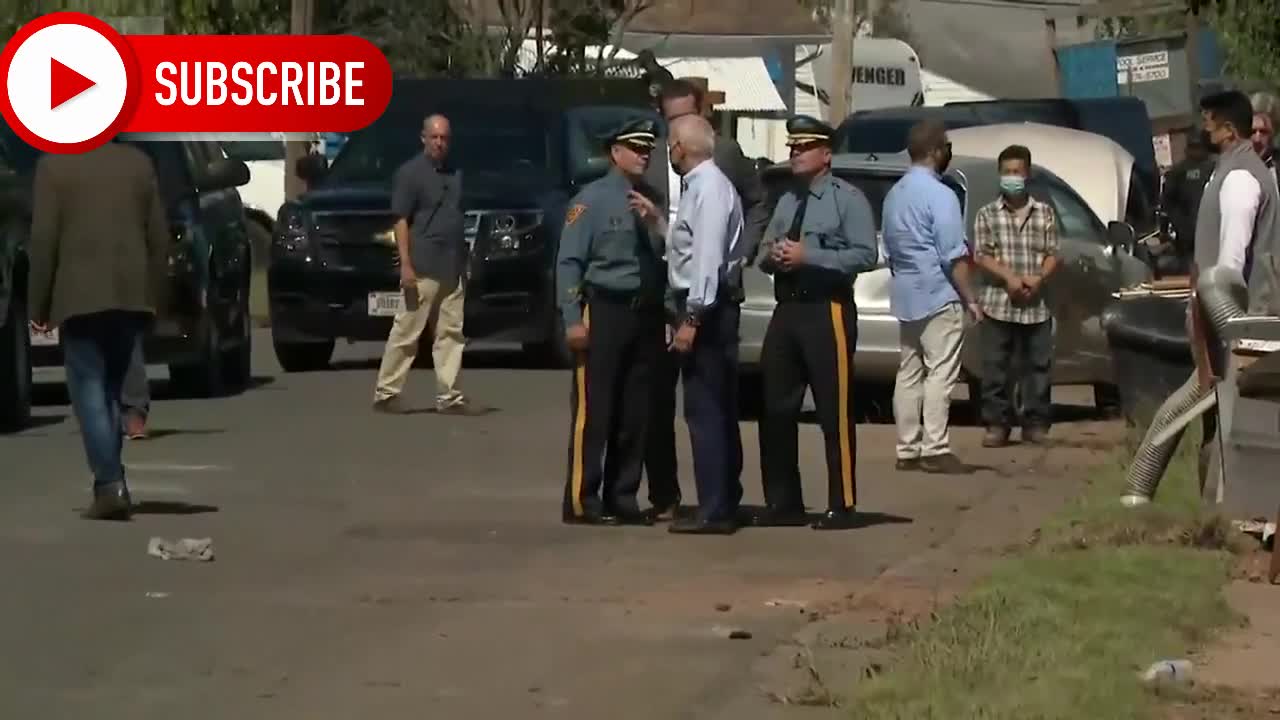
(97, 350)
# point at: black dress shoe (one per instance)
(780, 517)
(837, 520)
(664, 512)
(110, 502)
(699, 526)
(634, 516)
(589, 517)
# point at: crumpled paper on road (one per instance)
(200, 549)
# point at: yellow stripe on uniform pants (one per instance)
(579, 421)
(842, 387)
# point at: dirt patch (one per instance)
(1246, 657)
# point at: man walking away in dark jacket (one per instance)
(99, 248)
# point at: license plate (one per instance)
(385, 304)
(48, 339)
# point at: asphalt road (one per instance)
(388, 567)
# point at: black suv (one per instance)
(524, 147)
(204, 334)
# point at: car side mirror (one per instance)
(225, 173)
(311, 168)
(1121, 236)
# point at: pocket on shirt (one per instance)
(828, 240)
(616, 243)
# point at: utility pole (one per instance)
(841, 79)
(301, 22)
(1193, 56)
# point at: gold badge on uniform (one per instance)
(574, 213)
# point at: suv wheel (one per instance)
(15, 369)
(1107, 400)
(303, 357)
(207, 376)
(551, 351)
(237, 362)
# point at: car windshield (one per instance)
(484, 143)
(588, 125)
(252, 150)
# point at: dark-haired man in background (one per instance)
(930, 288)
(1237, 228)
(680, 98)
(1015, 239)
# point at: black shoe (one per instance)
(944, 464)
(907, 464)
(631, 516)
(110, 502)
(589, 517)
(780, 517)
(665, 511)
(837, 520)
(699, 526)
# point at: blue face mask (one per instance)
(1013, 185)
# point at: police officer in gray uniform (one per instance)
(821, 236)
(611, 289)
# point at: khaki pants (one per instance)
(927, 373)
(441, 307)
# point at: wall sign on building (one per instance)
(1144, 67)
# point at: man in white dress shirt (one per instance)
(705, 252)
(683, 99)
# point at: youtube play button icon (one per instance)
(67, 82)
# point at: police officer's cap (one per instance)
(639, 133)
(806, 130)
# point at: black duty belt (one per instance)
(635, 299)
(803, 292)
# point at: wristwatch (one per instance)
(692, 319)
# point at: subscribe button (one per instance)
(70, 83)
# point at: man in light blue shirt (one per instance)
(704, 253)
(925, 249)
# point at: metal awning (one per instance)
(744, 81)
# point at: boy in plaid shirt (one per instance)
(1016, 243)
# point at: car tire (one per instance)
(15, 369)
(206, 378)
(1107, 401)
(303, 357)
(552, 351)
(237, 362)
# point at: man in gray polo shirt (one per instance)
(426, 199)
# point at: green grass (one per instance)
(1063, 629)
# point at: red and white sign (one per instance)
(70, 83)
